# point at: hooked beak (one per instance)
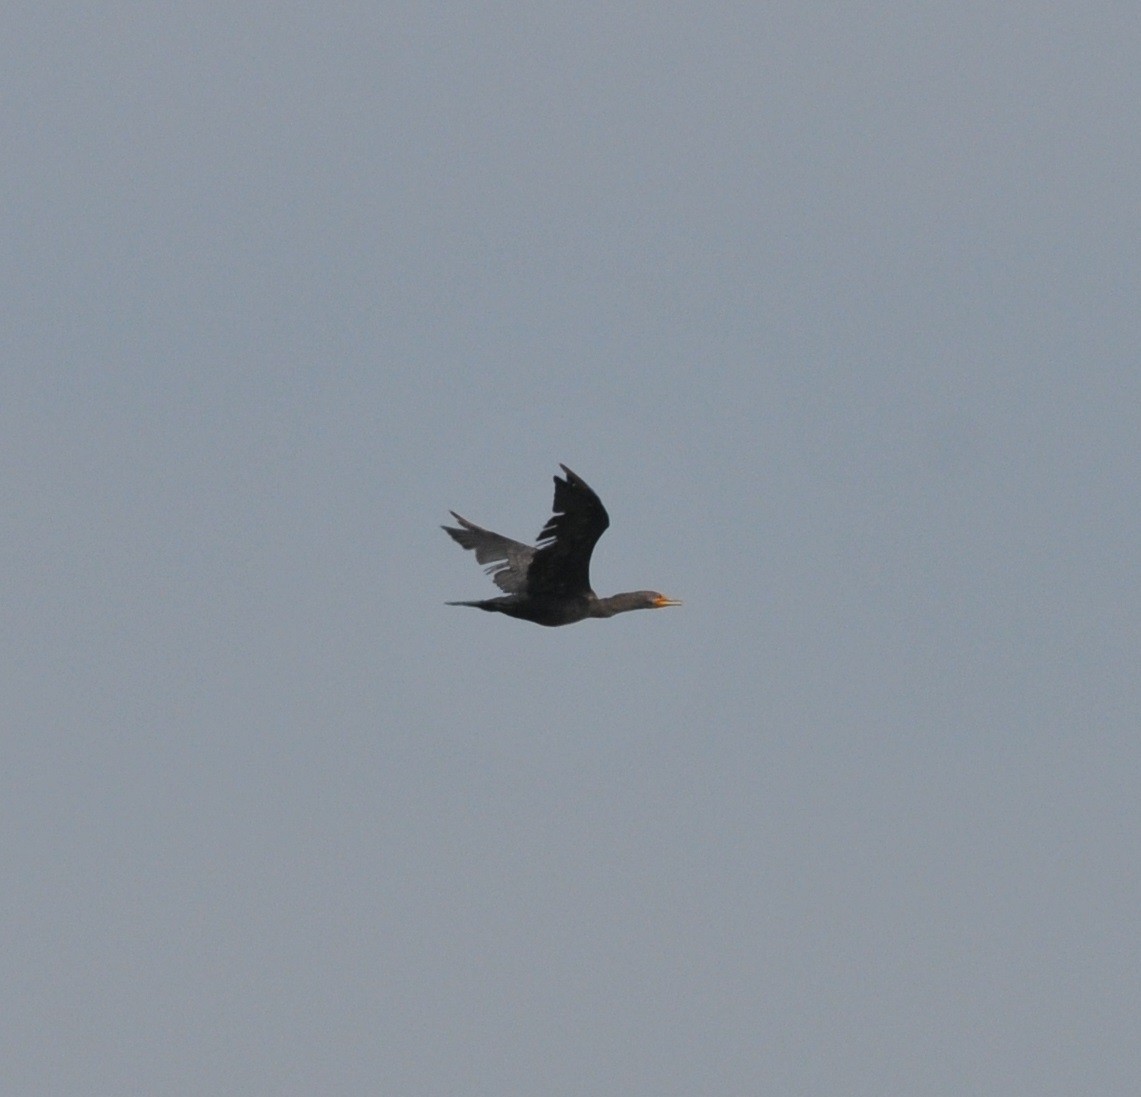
(662, 600)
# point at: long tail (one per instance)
(490, 606)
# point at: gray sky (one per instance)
(836, 308)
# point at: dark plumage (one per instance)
(550, 583)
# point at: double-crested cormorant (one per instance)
(550, 583)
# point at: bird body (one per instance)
(550, 583)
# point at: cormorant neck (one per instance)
(620, 603)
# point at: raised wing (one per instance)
(561, 560)
(509, 560)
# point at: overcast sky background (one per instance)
(837, 308)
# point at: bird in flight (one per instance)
(550, 583)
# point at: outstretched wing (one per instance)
(561, 561)
(509, 559)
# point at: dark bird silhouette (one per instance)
(550, 583)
